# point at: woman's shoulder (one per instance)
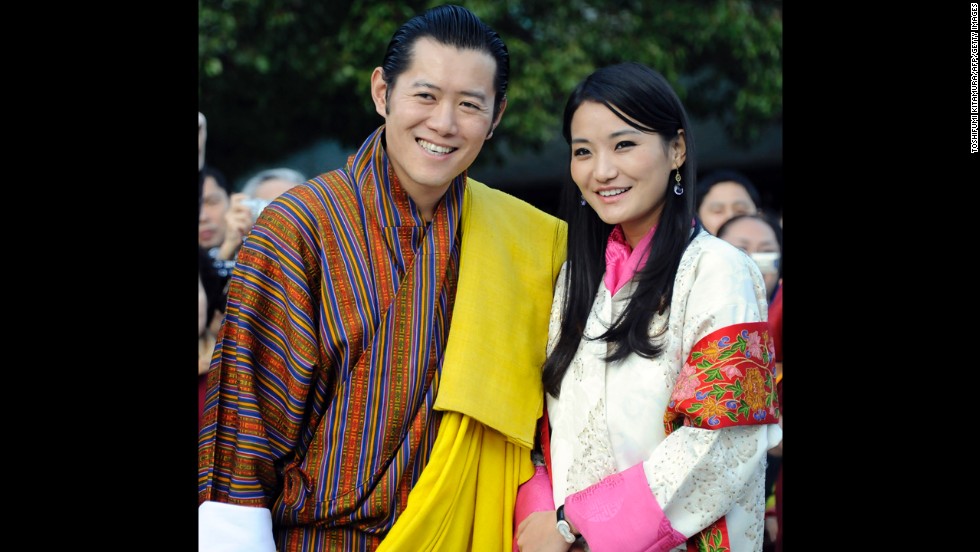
(714, 272)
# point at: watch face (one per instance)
(566, 531)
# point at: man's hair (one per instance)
(218, 177)
(289, 175)
(453, 26)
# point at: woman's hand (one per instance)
(537, 533)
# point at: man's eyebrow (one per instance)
(471, 93)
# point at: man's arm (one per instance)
(266, 360)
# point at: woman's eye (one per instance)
(580, 152)
(624, 144)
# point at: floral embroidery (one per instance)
(731, 371)
(713, 349)
(711, 409)
(729, 379)
(713, 538)
(755, 391)
(687, 382)
(754, 345)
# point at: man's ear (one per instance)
(500, 114)
(379, 92)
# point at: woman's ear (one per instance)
(679, 149)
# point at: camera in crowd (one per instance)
(255, 205)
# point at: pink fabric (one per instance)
(620, 514)
(533, 496)
(622, 261)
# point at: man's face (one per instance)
(211, 223)
(271, 188)
(437, 114)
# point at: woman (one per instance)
(762, 239)
(724, 194)
(659, 376)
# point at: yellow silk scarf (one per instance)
(511, 255)
(491, 379)
(473, 473)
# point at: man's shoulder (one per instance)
(324, 188)
(325, 197)
(330, 181)
(513, 206)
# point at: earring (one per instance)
(677, 183)
(581, 200)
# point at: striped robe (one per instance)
(321, 389)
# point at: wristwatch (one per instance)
(563, 527)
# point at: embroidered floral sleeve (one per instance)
(726, 385)
(727, 380)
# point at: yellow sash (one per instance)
(511, 255)
(491, 379)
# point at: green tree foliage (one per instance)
(276, 75)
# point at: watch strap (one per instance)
(564, 528)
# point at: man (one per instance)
(223, 221)
(376, 382)
(269, 184)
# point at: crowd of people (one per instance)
(396, 356)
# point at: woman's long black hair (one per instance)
(645, 100)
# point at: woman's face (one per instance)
(621, 172)
(758, 239)
(723, 201)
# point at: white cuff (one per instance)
(774, 434)
(225, 527)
